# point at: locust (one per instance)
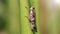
(32, 18)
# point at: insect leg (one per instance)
(28, 18)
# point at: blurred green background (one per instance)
(13, 14)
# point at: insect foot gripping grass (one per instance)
(32, 19)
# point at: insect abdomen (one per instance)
(33, 19)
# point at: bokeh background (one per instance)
(13, 20)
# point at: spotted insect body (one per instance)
(32, 18)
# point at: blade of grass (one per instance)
(25, 25)
(13, 17)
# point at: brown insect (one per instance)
(32, 18)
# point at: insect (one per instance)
(32, 18)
